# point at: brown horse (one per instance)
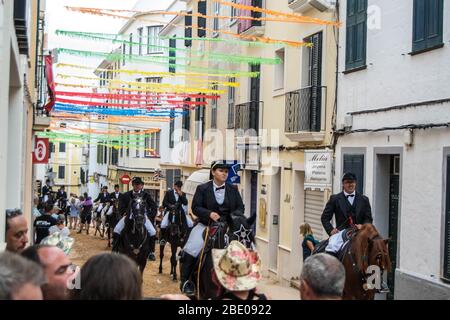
(367, 248)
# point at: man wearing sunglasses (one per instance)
(16, 231)
(58, 269)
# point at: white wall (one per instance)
(393, 77)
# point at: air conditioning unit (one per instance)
(305, 5)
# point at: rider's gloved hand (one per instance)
(214, 216)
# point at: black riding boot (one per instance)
(151, 256)
(187, 267)
(163, 237)
(115, 242)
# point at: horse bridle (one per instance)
(136, 251)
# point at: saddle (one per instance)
(346, 237)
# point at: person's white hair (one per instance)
(324, 274)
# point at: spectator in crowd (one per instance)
(57, 267)
(309, 242)
(20, 279)
(322, 278)
(60, 227)
(43, 223)
(237, 269)
(109, 276)
(74, 212)
(36, 212)
(16, 231)
(86, 213)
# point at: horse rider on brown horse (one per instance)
(351, 210)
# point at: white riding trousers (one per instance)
(195, 242)
(165, 221)
(148, 225)
(335, 242)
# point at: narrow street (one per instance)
(155, 284)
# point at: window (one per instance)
(128, 143)
(138, 143)
(354, 163)
(172, 55)
(279, 70)
(153, 97)
(154, 42)
(188, 30)
(51, 147)
(124, 52)
(202, 6)
(61, 172)
(114, 154)
(121, 143)
(427, 25)
(99, 154)
(199, 119)
(62, 147)
(172, 129)
(233, 13)
(105, 153)
(356, 42)
(446, 273)
(140, 34)
(130, 49)
(214, 110)
(216, 20)
(231, 101)
(186, 121)
(244, 25)
(152, 141)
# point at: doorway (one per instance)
(274, 233)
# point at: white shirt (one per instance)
(116, 194)
(350, 199)
(219, 194)
(176, 195)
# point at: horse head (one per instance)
(136, 213)
(239, 229)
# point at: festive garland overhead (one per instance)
(69, 108)
(54, 127)
(136, 58)
(154, 90)
(236, 35)
(116, 120)
(283, 17)
(161, 74)
(205, 56)
(212, 82)
(135, 97)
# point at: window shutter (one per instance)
(316, 82)
(202, 5)
(354, 163)
(172, 129)
(169, 178)
(172, 55)
(356, 34)
(188, 29)
(428, 24)
(255, 14)
(446, 272)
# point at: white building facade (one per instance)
(393, 120)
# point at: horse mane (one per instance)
(360, 245)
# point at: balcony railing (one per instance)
(247, 116)
(304, 109)
(20, 22)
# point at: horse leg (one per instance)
(173, 261)
(161, 256)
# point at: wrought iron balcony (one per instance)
(247, 117)
(20, 23)
(304, 110)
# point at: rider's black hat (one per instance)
(137, 180)
(220, 165)
(348, 176)
(116, 186)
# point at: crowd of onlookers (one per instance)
(44, 271)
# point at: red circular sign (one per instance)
(125, 179)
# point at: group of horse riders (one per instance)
(216, 199)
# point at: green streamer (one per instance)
(207, 55)
(135, 58)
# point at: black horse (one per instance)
(134, 239)
(176, 234)
(218, 235)
(112, 219)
